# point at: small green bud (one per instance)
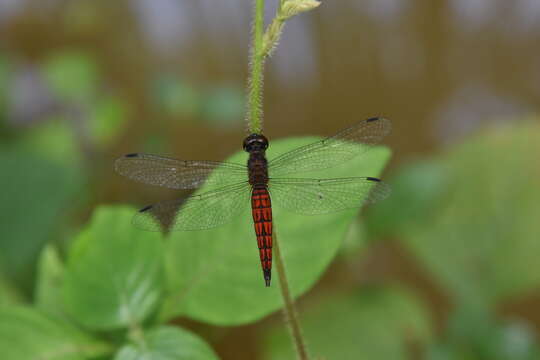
(294, 7)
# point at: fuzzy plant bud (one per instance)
(288, 9)
(294, 7)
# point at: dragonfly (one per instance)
(260, 182)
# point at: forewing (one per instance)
(178, 174)
(197, 212)
(322, 196)
(332, 151)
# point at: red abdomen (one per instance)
(261, 208)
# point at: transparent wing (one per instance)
(197, 212)
(322, 196)
(178, 174)
(332, 151)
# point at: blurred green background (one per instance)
(446, 268)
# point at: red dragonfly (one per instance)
(260, 180)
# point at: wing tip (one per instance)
(380, 192)
(146, 208)
(119, 163)
(375, 118)
(385, 123)
(373, 179)
(146, 220)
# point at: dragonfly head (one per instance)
(255, 142)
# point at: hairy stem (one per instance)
(136, 334)
(291, 315)
(263, 44)
(255, 90)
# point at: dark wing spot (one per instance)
(132, 155)
(146, 208)
(373, 119)
(373, 179)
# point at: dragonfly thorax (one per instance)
(256, 145)
(257, 168)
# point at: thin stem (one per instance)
(257, 67)
(100, 350)
(136, 335)
(290, 311)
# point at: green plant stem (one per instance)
(255, 91)
(272, 35)
(291, 315)
(136, 335)
(101, 350)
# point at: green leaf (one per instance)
(417, 190)
(223, 106)
(28, 334)
(35, 195)
(107, 120)
(73, 76)
(8, 294)
(215, 275)
(114, 274)
(48, 294)
(355, 240)
(373, 323)
(475, 333)
(55, 139)
(481, 239)
(176, 97)
(168, 343)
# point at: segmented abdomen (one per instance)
(262, 219)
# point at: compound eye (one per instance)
(247, 144)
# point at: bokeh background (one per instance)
(447, 268)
